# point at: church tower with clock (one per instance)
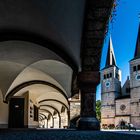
(135, 84)
(110, 86)
(120, 105)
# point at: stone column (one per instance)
(88, 82)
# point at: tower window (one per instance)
(35, 113)
(117, 75)
(107, 75)
(104, 76)
(138, 67)
(110, 75)
(134, 68)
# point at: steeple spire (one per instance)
(110, 60)
(137, 50)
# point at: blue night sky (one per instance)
(123, 31)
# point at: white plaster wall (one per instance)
(31, 122)
(3, 113)
(64, 121)
(56, 121)
(50, 122)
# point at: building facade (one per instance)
(120, 103)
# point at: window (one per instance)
(35, 113)
(134, 68)
(116, 75)
(138, 67)
(104, 76)
(107, 75)
(110, 75)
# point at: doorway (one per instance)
(16, 113)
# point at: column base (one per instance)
(88, 123)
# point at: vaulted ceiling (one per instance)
(44, 44)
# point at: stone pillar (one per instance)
(88, 82)
(68, 118)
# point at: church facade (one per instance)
(120, 103)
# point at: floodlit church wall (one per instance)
(3, 113)
(123, 107)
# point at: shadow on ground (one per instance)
(34, 134)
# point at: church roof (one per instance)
(110, 60)
(126, 87)
(137, 50)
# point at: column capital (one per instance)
(89, 77)
(88, 80)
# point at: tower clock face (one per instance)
(137, 77)
(107, 84)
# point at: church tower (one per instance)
(135, 84)
(110, 87)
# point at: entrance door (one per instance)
(16, 113)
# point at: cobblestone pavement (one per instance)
(132, 132)
(63, 134)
